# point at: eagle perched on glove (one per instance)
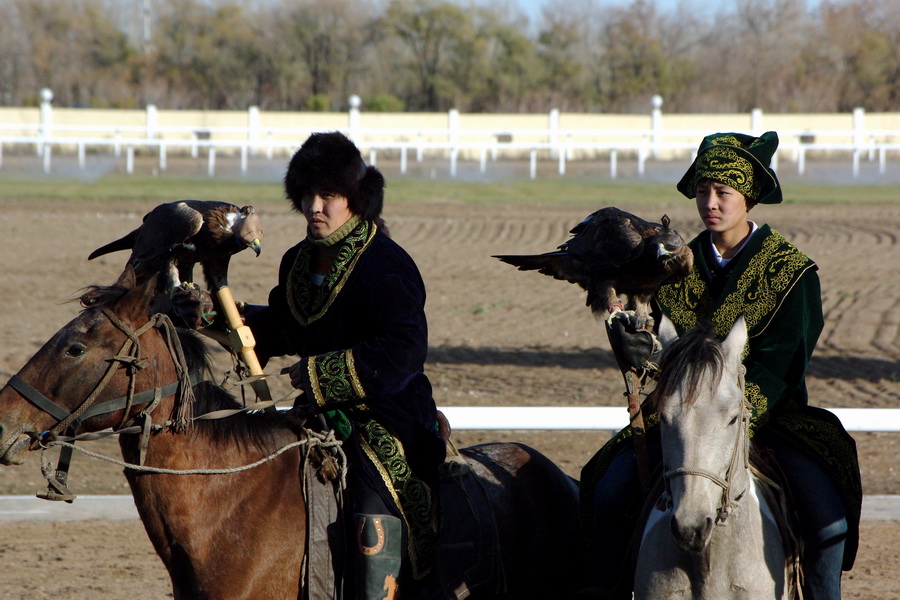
(176, 235)
(613, 253)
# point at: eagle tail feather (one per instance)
(531, 262)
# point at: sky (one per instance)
(532, 8)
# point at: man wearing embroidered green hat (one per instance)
(350, 304)
(744, 268)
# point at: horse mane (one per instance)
(100, 296)
(688, 357)
(258, 426)
(208, 396)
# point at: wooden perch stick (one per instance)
(242, 341)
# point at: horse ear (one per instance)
(127, 279)
(667, 333)
(141, 293)
(733, 346)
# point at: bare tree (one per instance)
(474, 55)
(434, 34)
(17, 82)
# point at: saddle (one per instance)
(467, 559)
(468, 550)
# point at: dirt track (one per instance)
(498, 337)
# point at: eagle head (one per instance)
(247, 229)
(672, 253)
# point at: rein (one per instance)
(129, 357)
(728, 502)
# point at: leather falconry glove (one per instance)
(192, 307)
(634, 347)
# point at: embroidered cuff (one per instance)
(759, 406)
(332, 378)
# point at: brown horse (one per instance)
(243, 534)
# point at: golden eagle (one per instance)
(176, 235)
(613, 253)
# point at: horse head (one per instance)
(96, 357)
(700, 399)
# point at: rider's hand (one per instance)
(635, 348)
(192, 307)
(296, 371)
(303, 407)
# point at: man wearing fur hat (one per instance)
(741, 268)
(350, 303)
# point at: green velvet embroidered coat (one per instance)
(776, 287)
(363, 337)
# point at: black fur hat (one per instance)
(331, 162)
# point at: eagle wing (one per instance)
(167, 229)
(599, 246)
(608, 239)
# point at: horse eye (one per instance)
(75, 350)
(733, 420)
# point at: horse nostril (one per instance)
(707, 528)
(692, 538)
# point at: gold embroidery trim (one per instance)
(419, 569)
(760, 290)
(333, 378)
(726, 165)
(762, 286)
(301, 269)
(759, 406)
(354, 376)
(314, 381)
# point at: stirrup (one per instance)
(57, 490)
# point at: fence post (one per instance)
(756, 121)
(353, 117)
(152, 121)
(46, 118)
(553, 131)
(253, 128)
(859, 128)
(453, 128)
(656, 103)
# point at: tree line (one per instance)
(433, 55)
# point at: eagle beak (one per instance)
(255, 246)
(661, 250)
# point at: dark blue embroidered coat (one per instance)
(364, 339)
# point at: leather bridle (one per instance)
(728, 501)
(128, 357)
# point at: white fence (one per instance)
(615, 418)
(461, 137)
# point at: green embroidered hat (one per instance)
(737, 160)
